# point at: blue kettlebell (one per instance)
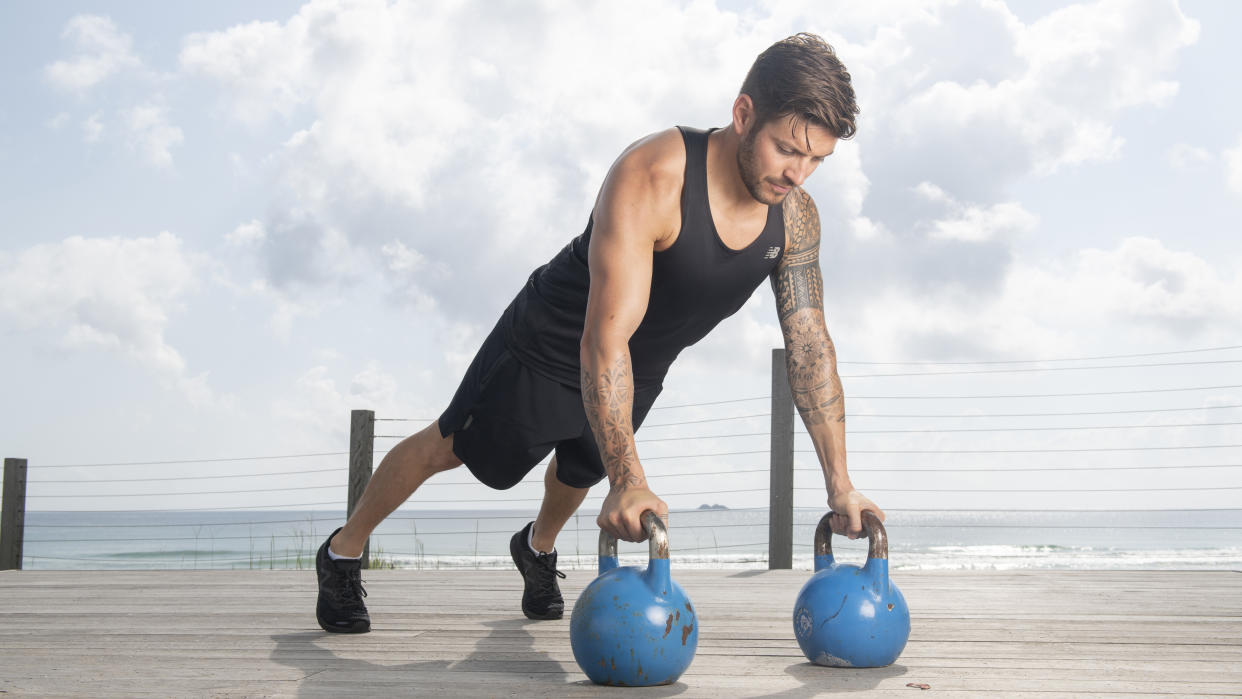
(847, 616)
(633, 627)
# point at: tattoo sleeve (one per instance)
(608, 396)
(810, 356)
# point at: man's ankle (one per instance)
(336, 550)
(530, 543)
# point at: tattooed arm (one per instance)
(638, 207)
(811, 358)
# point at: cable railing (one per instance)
(979, 480)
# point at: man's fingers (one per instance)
(634, 525)
(855, 521)
(839, 524)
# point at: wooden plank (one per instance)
(253, 633)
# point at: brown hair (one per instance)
(802, 76)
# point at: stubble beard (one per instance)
(749, 172)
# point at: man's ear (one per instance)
(743, 114)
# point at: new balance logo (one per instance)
(772, 253)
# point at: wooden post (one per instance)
(780, 489)
(361, 463)
(13, 518)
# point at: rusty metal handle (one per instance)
(657, 537)
(877, 538)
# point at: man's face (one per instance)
(780, 155)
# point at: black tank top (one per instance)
(696, 283)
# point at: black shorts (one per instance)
(505, 419)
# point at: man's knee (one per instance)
(438, 450)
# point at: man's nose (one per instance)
(798, 172)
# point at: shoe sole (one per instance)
(356, 628)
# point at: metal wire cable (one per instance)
(1062, 491)
(188, 478)
(926, 431)
(1053, 395)
(716, 402)
(197, 461)
(1036, 469)
(713, 419)
(231, 508)
(1074, 414)
(890, 526)
(1069, 359)
(201, 492)
(1038, 369)
(1005, 451)
(1042, 429)
(922, 416)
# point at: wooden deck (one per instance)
(253, 633)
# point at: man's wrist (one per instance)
(838, 483)
(626, 482)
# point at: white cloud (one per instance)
(1233, 167)
(484, 164)
(1140, 280)
(970, 98)
(1139, 289)
(456, 174)
(116, 294)
(319, 406)
(58, 122)
(102, 51)
(92, 128)
(249, 233)
(975, 224)
(408, 270)
(264, 64)
(151, 133)
(1184, 156)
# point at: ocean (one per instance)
(704, 538)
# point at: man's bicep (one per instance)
(620, 260)
(620, 285)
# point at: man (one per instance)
(578, 357)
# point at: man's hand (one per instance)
(622, 509)
(847, 507)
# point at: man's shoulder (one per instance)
(797, 202)
(649, 175)
(659, 157)
(801, 220)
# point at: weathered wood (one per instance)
(361, 464)
(780, 488)
(13, 516)
(459, 634)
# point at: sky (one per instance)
(225, 225)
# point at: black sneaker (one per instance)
(542, 597)
(340, 608)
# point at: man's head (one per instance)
(802, 77)
(795, 103)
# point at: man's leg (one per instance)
(340, 608)
(403, 469)
(541, 598)
(560, 502)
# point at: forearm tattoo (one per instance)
(608, 396)
(810, 355)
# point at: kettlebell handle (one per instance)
(657, 537)
(877, 539)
